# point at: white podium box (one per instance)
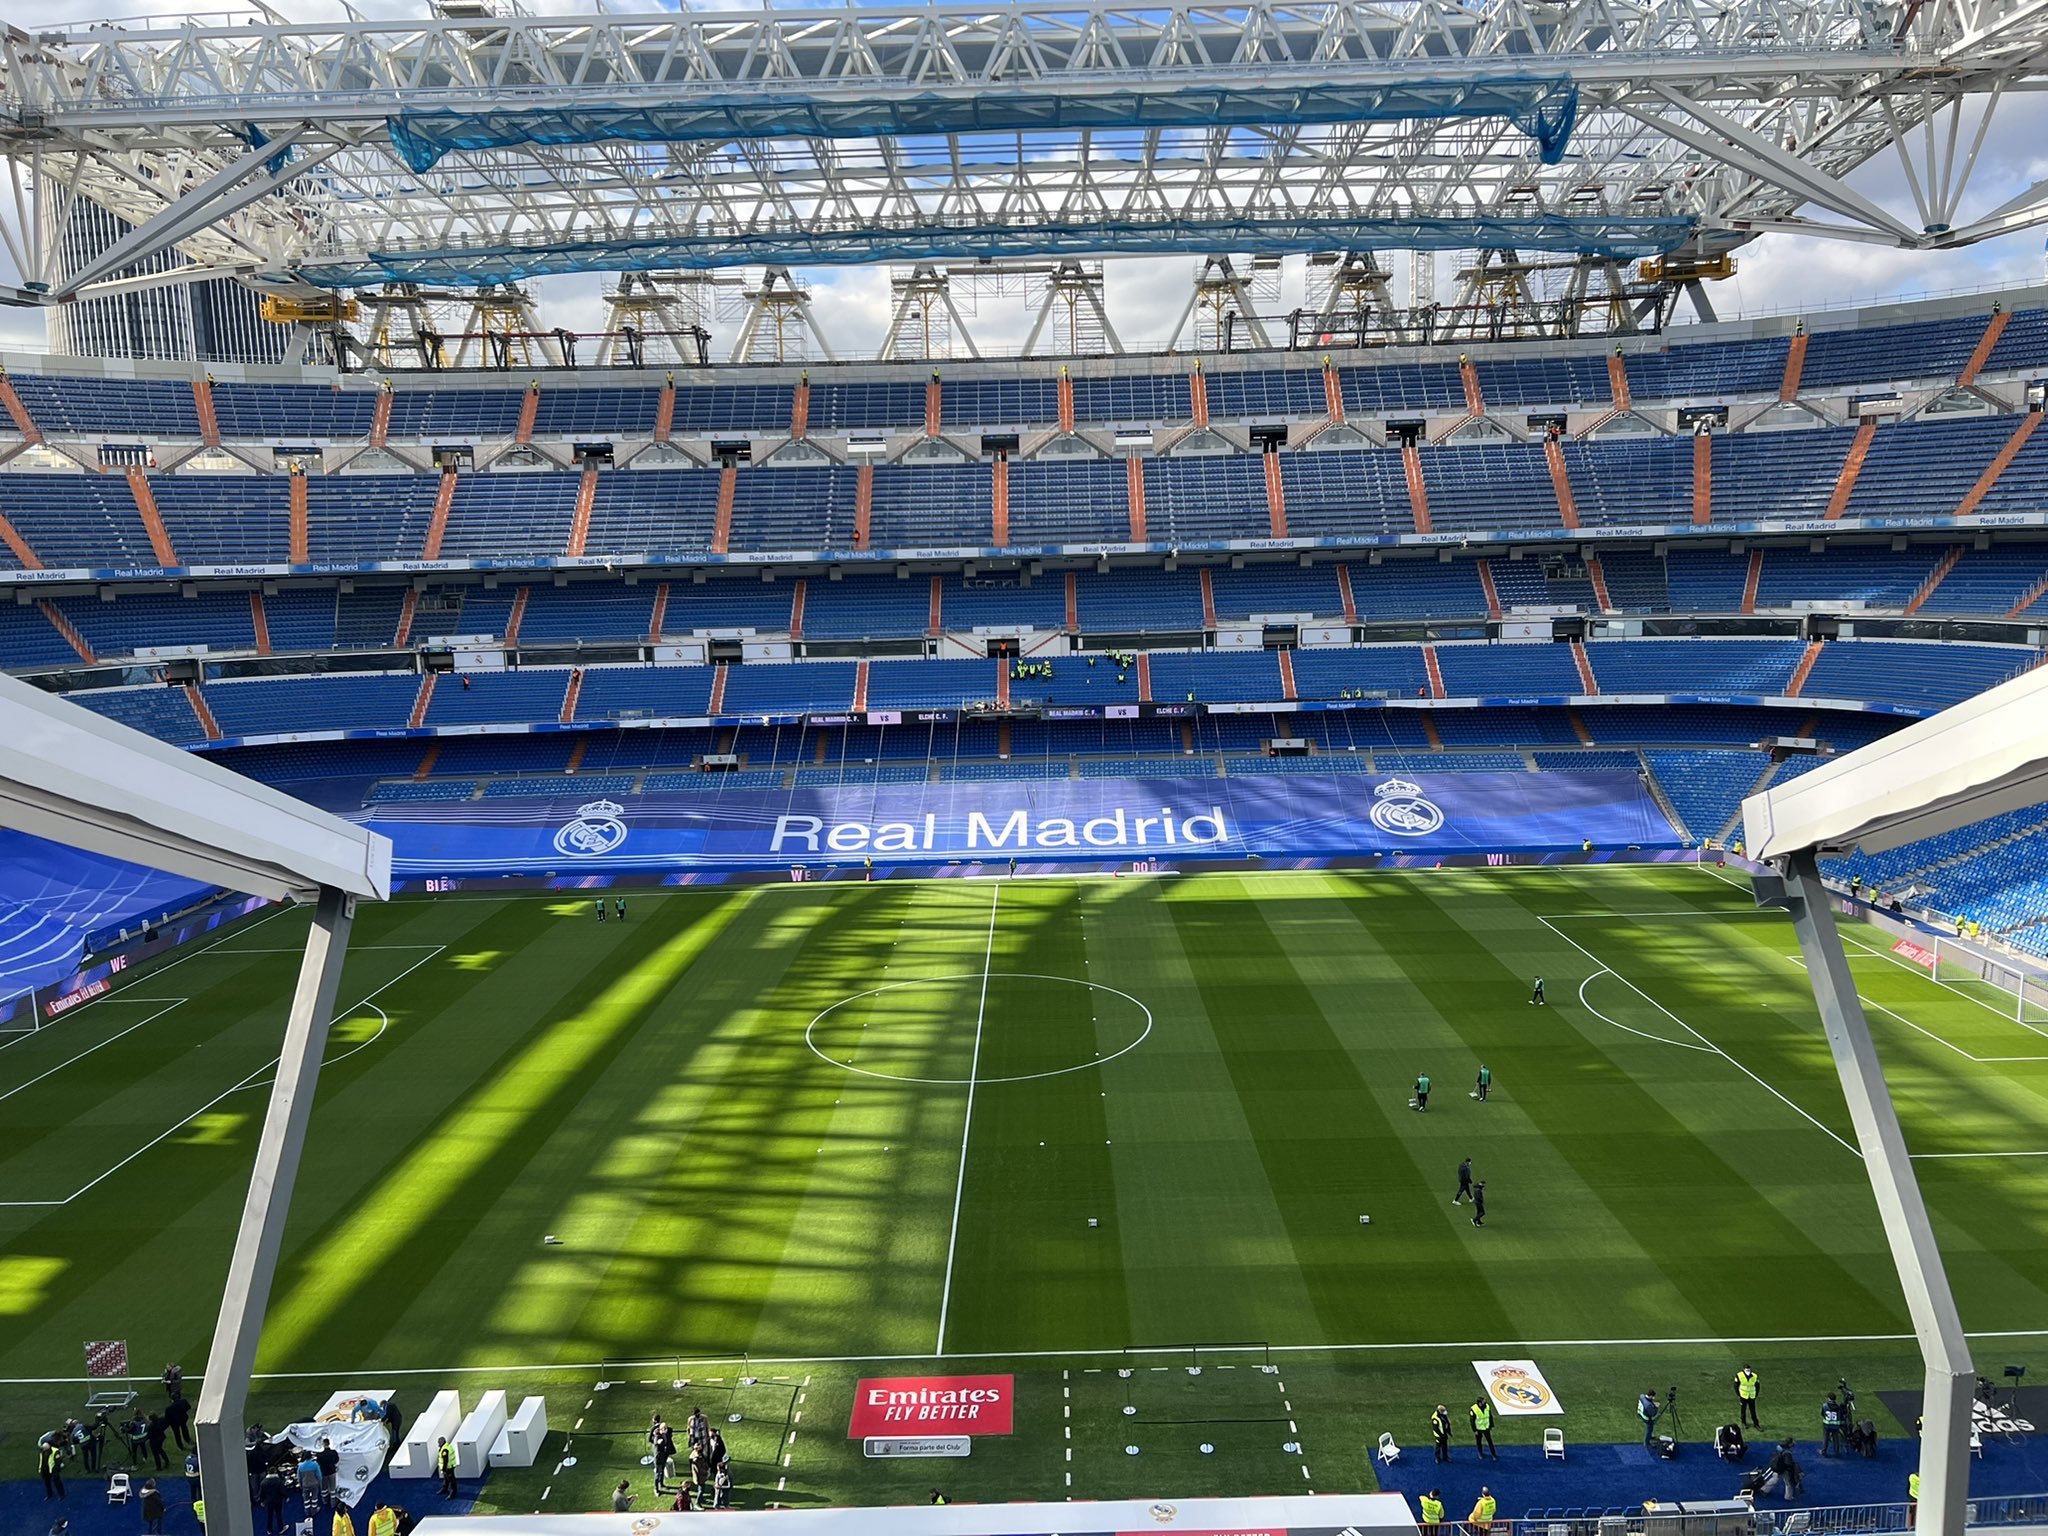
(518, 1445)
(440, 1419)
(479, 1432)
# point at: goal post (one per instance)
(2002, 985)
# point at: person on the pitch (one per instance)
(600, 909)
(1440, 1431)
(1484, 1086)
(619, 908)
(444, 1461)
(1536, 992)
(1746, 1386)
(1481, 1414)
(1464, 1183)
(1479, 1204)
(1422, 1091)
(1647, 1409)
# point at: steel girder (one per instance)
(467, 149)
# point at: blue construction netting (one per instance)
(1544, 107)
(56, 902)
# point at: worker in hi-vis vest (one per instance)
(1481, 1518)
(1482, 1428)
(1746, 1386)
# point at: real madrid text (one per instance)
(1018, 831)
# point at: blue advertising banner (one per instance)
(1301, 815)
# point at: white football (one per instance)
(1365, 1221)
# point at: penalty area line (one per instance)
(236, 930)
(368, 1002)
(1674, 1018)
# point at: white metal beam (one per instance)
(1979, 758)
(72, 777)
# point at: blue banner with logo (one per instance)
(1273, 816)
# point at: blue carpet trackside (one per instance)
(1623, 1476)
(25, 1512)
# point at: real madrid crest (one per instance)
(1398, 807)
(596, 830)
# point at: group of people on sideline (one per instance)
(1841, 1433)
(704, 1465)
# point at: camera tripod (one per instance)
(1671, 1408)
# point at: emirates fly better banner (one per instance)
(932, 1405)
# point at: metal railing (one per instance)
(1759, 1520)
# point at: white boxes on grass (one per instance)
(518, 1444)
(478, 1434)
(439, 1421)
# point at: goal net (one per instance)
(2008, 989)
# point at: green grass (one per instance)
(743, 1114)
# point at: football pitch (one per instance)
(795, 1133)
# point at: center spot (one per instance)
(1031, 1026)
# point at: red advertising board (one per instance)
(1914, 953)
(932, 1405)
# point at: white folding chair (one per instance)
(1976, 1445)
(117, 1488)
(1388, 1451)
(1553, 1444)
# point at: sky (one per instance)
(1146, 296)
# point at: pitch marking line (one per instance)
(967, 1126)
(168, 1004)
(1892, 959)
(368, 1002)
(1683, 1045)
(1674, 1018)
(1967, 1055)
(173, 1002)
(237, 929)
(1466, 1346)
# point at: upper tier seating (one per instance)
(1150, 601)
(1678, 366)
(1919, 468)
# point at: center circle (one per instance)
(811, 1030)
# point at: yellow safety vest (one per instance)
(447, 1458)
(1913, 1486)
(1482, 1512)
(1745, 1385)
(199, 1512)
(1432, 1510)
(384, 1523)
(1482, 1416)
(343, 1525)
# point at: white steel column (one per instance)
(1944, 1348)
(225, 1389)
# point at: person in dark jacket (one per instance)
(270, 1493)
(152, 1508)
(178, 1420)
(155, 1434)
